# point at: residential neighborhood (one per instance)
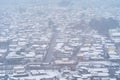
(58, 43)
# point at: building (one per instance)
(115, 35)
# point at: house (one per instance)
(115, 35)
(19, 71)
(65, 62)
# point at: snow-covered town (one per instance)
(59, 43)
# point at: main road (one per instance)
(50, 53)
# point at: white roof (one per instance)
(113, 79)
(98, 70)
(2, 39)
(3, 50)
(50, 74)
(103, 74)
(86, 75)
(13, 55)
(59, 45)
(30, 54)
(85, 49)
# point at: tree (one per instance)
(103, 24)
